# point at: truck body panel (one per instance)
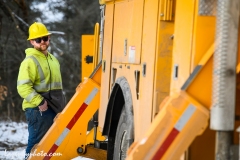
(157, 79)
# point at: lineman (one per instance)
(39, 73)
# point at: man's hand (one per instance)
(43, 107)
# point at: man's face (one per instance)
(41, 44)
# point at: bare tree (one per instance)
(79, 17)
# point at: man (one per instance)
(39, 73)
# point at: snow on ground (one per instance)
(13, 141)
(13, 134)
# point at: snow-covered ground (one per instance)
(13, 141)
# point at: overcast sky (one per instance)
(48, 14)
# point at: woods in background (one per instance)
(77, 17)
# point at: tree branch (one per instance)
(10, 13)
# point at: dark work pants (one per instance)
(38, 125)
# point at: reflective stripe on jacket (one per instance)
(37, 73)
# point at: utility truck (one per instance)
(160, 81)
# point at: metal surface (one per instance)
(87, 50)
(95, 153)
(223, 145)
(207, 7)
(224, 77)
(96, 58)
(173, 129)
(107, 62)
(167, 10)
(101, 31)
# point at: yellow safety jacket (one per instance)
(37, 73)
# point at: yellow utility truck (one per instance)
(160, 81)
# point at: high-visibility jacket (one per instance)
(37, 73)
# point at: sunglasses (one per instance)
(39, 40)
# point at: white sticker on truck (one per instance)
(131, 52)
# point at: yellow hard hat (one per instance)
(102, 2)
(37, 30)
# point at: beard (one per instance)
(42, 47)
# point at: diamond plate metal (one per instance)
(207, 7)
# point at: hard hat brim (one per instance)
(30, 38)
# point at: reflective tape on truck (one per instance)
(70, 125)
(187, 114)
